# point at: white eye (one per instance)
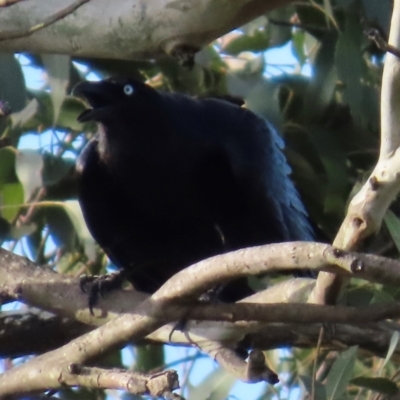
(128, 90)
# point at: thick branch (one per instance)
(32, 331)
(54, 368)
(43, 288)
(125, 29)
(374, 338)
(43, 24)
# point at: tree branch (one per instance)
(374, 35)
(368, 207)
(126, 29)
(160, 384)
(374, 337)
(22, 280)
(44, 330)
(16, 34)
(54, 368)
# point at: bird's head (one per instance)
(107, 96)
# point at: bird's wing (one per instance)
(254, 148)
(293, 211)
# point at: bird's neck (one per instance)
(133, 141)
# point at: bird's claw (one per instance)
(99, 285)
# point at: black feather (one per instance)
(170, 180)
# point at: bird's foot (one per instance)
(97, 285)
(211, 296)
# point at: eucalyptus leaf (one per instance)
(263, 99)
(352, 68)
(319, 394)
(380, 385)
(12, 196)
(12, 82)
(340, 374)
(75, 213)
(28, 166)
(394, 340)
(7, 163)
(23, 116)
(257, 41)
(393, 224)
(55, 168)
(58, 68)
(298, 46)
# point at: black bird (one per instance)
(170, 180)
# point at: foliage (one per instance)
(330, 122)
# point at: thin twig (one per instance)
(314, 374)
(374, 35)
(46, 22)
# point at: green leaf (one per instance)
(58, 67)
(319, 394)
(44, 115)
(149, 357)
(28, 166)
(353, 72)
(70, 110)
(75, 214)
(279, 34)
(321, 90)
(60, 227)
(263, 100)
(359, 296)
(7, 162)
(380, 296)
(334, 161)
(55, 168)
(254, 25)
(394, 340)
(11, 194)
(34, 240)
(12, 83)
(380, 385)
(23, 116)
(312, 17)
(256, 42)
(298, 46)
(393, 225)
(340, 374)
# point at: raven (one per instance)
(170, 180)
